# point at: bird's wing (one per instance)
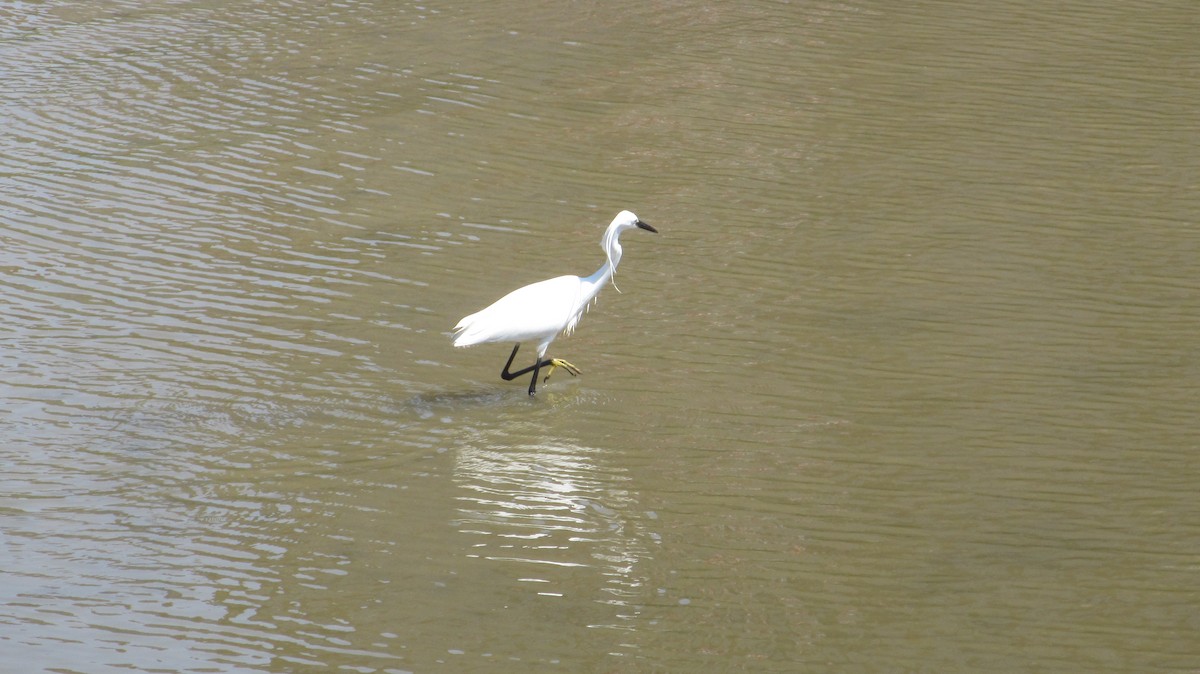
(536, 311)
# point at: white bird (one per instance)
(541, 311)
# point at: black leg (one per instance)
(507, 375)
(533, 382)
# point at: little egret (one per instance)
(540, 311)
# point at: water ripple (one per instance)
(184, 274)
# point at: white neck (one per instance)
(595, 283)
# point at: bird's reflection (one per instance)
(554, 514)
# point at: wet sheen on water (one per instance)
(907, 380)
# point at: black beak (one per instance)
(646, 227)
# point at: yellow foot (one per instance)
(556, 363)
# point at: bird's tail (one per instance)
(464, 335)
(460, 332)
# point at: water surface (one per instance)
(906, 381)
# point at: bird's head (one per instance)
(612, 248)
(624, 220)
(628, 220)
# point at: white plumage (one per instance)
(540, 311)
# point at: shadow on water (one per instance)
(501, 397)
(427, 404)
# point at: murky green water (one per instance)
(907, 382)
